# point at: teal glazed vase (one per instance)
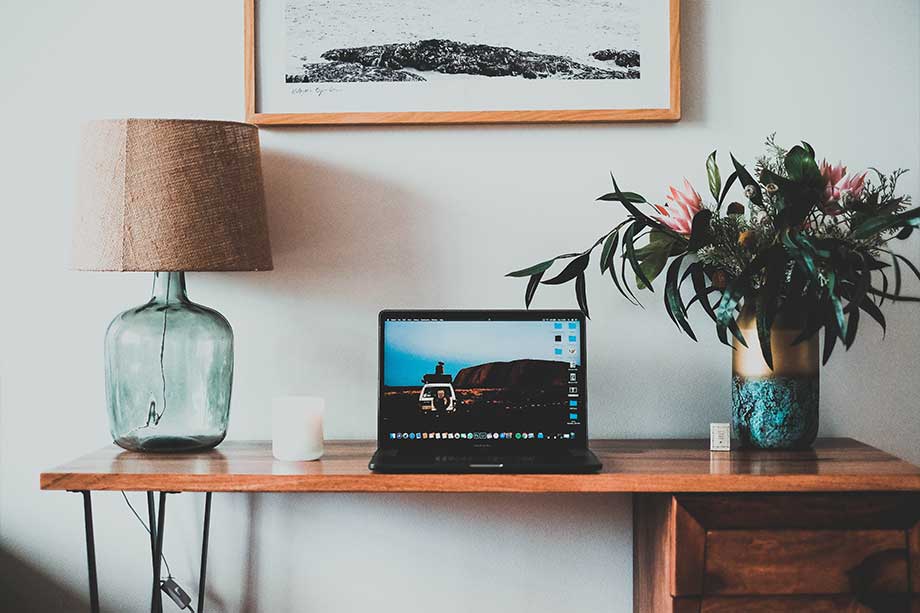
(778, 408)
(168, 372)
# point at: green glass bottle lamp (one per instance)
(170, 196)
(158, 398)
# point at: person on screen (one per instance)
(441, 401)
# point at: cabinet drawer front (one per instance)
(805, 562)
(804, 604)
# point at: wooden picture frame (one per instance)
(671, 112)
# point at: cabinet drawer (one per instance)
(805, 562)
(803, 604)
(750, 553)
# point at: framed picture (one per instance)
(461, 61)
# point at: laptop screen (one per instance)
(482, 379)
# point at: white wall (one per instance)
(345, 207)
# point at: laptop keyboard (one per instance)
(482, 460)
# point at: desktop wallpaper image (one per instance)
(464, 375)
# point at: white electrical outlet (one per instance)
(720, 437)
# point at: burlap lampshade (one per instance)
(170, 195)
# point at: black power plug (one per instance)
(175, 593)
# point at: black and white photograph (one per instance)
(594, 57)
(430, 40)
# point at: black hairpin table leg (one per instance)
(204, 551)
(155, 596)
(90, 552)
(158, 554)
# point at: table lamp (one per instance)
(169, 196)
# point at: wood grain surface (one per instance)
(776, 562)
(833, 465)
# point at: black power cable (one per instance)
(168, 585)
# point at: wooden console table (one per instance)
(833, 528)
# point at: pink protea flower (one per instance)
(680, 210)
(839, 184)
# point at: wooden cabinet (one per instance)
(777, 552)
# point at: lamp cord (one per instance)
(169, 575)
(163, 349)
(154, 417)
(144, 524)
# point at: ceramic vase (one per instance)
(775, 408)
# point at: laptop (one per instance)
(482, 391)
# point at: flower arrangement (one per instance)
(813, 240)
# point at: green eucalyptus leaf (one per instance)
(852, 325)
(813, 323)
(628, 196)
(700, 233)
(861, 280)
(892, 297)
(836, 305)
(613, 275)
(658, 241)
(712, 173)
(736, 332)
(572, 270)
(830, 340)
(623, 260)
(673, 300)
(908, 263)
(700, 290)
(532, 270)
(748, 181)
(801, 166)
(764, 325)
(629, 238)
(722, 333)
(581, 295)
(737, 288)
(532, 286)
(883, 223)
(728, 184)
(897, 275)
(653, 256)
(875, 313)
(652, 265)
(768, 299)
(610, 246)
(881, 298)
(801, 254)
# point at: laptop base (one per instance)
(572, 461)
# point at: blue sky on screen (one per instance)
(413, 348)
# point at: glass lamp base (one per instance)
(169, 372)
(168, 444)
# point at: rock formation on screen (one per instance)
(515, 374)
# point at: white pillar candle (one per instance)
(297, 428)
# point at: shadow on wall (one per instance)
(26, 589)
(412, 532)
(329, 224)
(250, 596)
(692, 63)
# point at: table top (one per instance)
(669, 465)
